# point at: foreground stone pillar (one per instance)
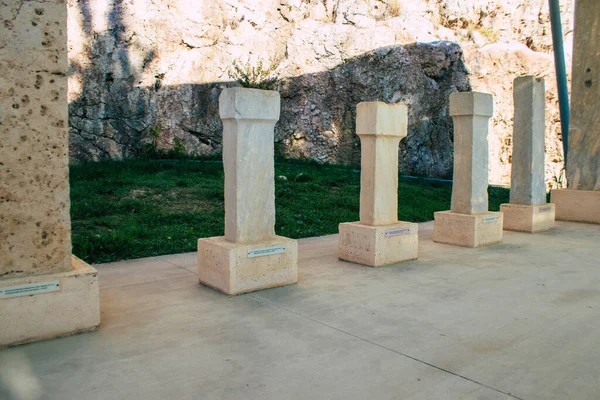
(379, 238)
(528, 210)
(44, 290)
(581, 201)
(250, 256)
(469, 223)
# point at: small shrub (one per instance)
(257, 77)
(394, 8)
(153, 151)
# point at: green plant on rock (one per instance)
(259, 76)
(153, 151)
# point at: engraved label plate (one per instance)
(397, 232)
(29, 289)
(489, 219)
(545, 209)
(266, 251)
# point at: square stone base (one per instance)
(467, 230)
(577, 205)
(46, 306)
(530, 219)
(376, 246)
(235, 268)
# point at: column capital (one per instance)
(246, 103)
(471, 103)
(381, 119)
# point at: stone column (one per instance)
(250, 256)
(469, 223)
(380, 128)
(528, 210)
(379, 238)
(581, 201)
(249, 118)
(44, 291)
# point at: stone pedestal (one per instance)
(475, 230)
(377, 246)
(530, 219)
(577, 205)
(49, 305)
(379, 238)
(44, 292)
(469, 223)
(250, 256)
(528, 211)
(235, 268)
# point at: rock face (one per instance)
(151, 71)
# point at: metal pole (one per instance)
(561, 73)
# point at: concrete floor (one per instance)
(516, 320)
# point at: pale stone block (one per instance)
(467, 230)
(379, 239)
(249, 117)
(74, 308)
(470, 112)
(583, 160)
(381, 119)
(577, 205)
(380, 127)
(469, 223)
(530, 219)
(249, 257)
(34, 187)
(377, 246)
(235, 268)
(528, 185)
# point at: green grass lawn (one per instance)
(141, 208)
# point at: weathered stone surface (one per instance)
(380, 127)
(225, 262)
(35, 235)
(527, 186)
(249, 117)
(577, 205)
(376, 246)
(34, 187)
(379, 239)
(469, 223)
(75, 308)
(471, 112)
(583, 160)
(475, 230)
(531, 219)
(226, 266)
(528, 211)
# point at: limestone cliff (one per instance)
(151, 71)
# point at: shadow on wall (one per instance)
(115, 115)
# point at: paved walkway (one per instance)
(516, 320)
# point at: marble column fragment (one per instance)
(250, 256)
(249, 118)
(379, 238)
(471, 112)
(380, 127)
(528, 210)
(469, 223)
